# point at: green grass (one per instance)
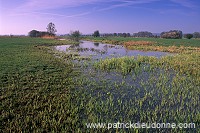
(158, 41)
(34, 86)
(152, 89)
(176, 77)
(184, 64)
(45, 91)
(124, 64)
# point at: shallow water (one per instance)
(102, 51)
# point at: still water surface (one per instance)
(102, 51)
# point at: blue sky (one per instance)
(21, 16)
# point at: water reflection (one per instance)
(96, 44)
(102, 51)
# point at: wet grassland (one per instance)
(47, 90)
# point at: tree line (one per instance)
(172, 34)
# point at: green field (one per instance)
(43, 90)
(158, 41)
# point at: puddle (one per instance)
(102, 51)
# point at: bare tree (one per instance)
(51, 28)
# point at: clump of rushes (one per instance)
(187, 64)
(124, 64)
(183, 63)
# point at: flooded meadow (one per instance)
(60, 85)
(123, 84)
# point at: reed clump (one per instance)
(124, 65)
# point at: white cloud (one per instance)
(185, 3)
(38, 5)
(127, 3)
(41, 7)
(50, 14)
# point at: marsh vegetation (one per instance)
(46, 90)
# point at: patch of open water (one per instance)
(102, 51)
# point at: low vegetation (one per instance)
(43, 90)
(188, 36)
(157, 41)
(34, 85)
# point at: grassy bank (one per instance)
(35, 86)
(152, 44)
(156, 41)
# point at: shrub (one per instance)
(188, 36)
(75, 35)
(173, 34)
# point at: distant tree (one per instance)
(75, 35)
(115, 34)
(107, 35)
(172, 34)
(120, 34)
(34, 33)
(128, 34)
(188, 36)
(196, 34)
(134, 34)
(51, 29)
(96, 33)
(124, 35)
(143, 34)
